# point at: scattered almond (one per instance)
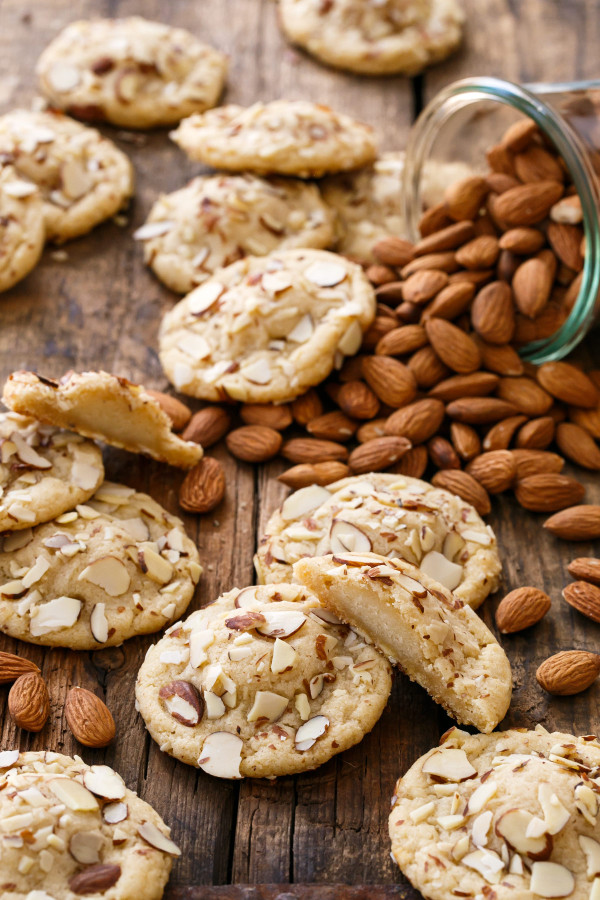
(13, 666)
(203, 487)
(254, 443)
(569, 384)
(378, 454)
(333, 426)
(495, 470)
(418, 421)
(268, 414)
(455, 348)
(536, 462)
(576, 523)
(306, 474)
(520, 609)
(28, 702)
(466, 441)
(464, 485)
(568, 672)
(537, 434)
(357, 400)
(392, 381)
(178, 412)
(89, 718)
(207, 426)
(577, 445)
(442, 453)
(307, 407)
(584, 597)
(413, 463)
(312, 450)
(548, 492)
(585, 568)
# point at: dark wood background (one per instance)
(101, 308)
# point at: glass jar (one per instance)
(468, 117)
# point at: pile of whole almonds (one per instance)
(438, 386)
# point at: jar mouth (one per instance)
(524, 99)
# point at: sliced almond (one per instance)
(550, 879)
(85, 847)
(325, 274)
(99, 623)
(284, 657)
(281, 623)
(104, 782)
(301, 502)
(73, 794)
(345, 537)
(153, 836)
(113, 813)
(513, 825)
(61, 612)
(449, 765)
(155, 566)
(267, 706)
(108, 573)
(221, 755)
(310, 732)
(441, 569)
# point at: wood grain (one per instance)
(101, 308)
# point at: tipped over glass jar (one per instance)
(474, 121)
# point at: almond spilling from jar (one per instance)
(520, 609)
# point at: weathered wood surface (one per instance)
(101, 308)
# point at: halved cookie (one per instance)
(436, 640)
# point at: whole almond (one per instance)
(455, 348)
(277, 417)
(520, 609)
(585, 598)
(368, 431)
(434, 219)
(522, 241)
(207, 426)
(480, 253)
(587, 418)
(569, 384)
(442, 453)
(524, 393)
(357, 400)
(203, 487)
(254, 443)
(401, 341)
(306, 474)
(528, 204)
(495, 470)
(567, 211)
(577, 445)
(95, 879)
(378, 454)
(393, 251)
(390, 292)
(89, 718)
(379, 327)
(424, 284)
(548, 492)
(463, 199)
(306, 407)
(568, 672)
(392, 381)
(13, 666)
(480, 410)
(427, 368)
(532, 286)
(313, 450)
(536, 462)
(413, 463)
(28, 702)
(537, 164)
(565, 240)
(436, 262)
(452, 301)
(464, 486)
(585, 568)
(476, 384)
(380, 274)
(465, 440)
(501, 434)
(519, 135)
(493, 313)
(500, 160)
(502, 359)
(475, 277)
(178, 412)
(447, 238)
(418, 421)
(537, 434)
(576, 523)
(333, 426)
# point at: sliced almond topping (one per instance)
(267, 706)
(310, 732)
(480, 796)
(421, 813)
(183, 701)
(453, 545)
(85, 847)
(513, 825)
(151, 230)
(449, 823)
(199, 642)
(113, 813)
(62, 612)
(246, 597)
(215, 708)
(302, 706)
(486, 862)
(586, 802)
(76, 181)
(8, 758)
(351, 340)
(247, 621)
(275, 282)
(413, 587)
(105, 782)
(441, 569)
(19, 188)
(303, 331)
(99, 623)
(221, 755)
(550, 879)
(281, 623)
(63, 76)
(449, 764)
(194, 345)
(108, 573)
(481, 827)
(153, 565)
(325, 274)
(591, 851)
(27, 454)
(203, 297)
(151, 834)
(347, 538)
(258, 372)
(284, 657)
(73, 794)
(555, 814)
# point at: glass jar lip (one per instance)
(525, 99)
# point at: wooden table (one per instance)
(100, 307)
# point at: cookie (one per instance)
(267, 328)
(130, 72)
(215, 220)
(377, 37)
(44, 471)
(104, 407)
(117, 566)
(22, 232)
(392, 515)
(83, 177)
(69, 829)
(261, 683)
(368, 203)
(435, 639)
(285, 137)
(507, 815)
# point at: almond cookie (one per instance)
(285, 137)
(83, 177)
(374, 37)
(262, 683)
(393, 515)
(115, 567)
(130, 72)
(267, 328)
(436, 640)
(44, 471)
(507, 815)
(22, 232)
(69, 829)
(215, 220)
(368, 203)
(104, 407)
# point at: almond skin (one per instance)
(548, 492)
(393, 251)
(585, 568)
(493, 313)
(500, 358)
(465, 486)
(95, 879)
(495, 470)
(400, 341)
(378, 454)
(312, 450)
(463, 199)
(528, 397)
(585, 598)
(480, 253)
(423, 285)
(568, 672)
(413, 463)
(521, 609)
(442, 453)
(536, 434)
(451, 302)
(254, 443)
(368, 431)
(203, 487)
(306, 407)
(277, 417)
(465, 440)
(577, 445)
(480, 410)
(178, 412)
(333, 426)
(569, 384)
(455, 348)
(476, 384)
(535, 462)
(306, 474)
(418, 421)
(427, 368)
(528, 204)
(587, 418)
(576, 523)
(28, 702)
(445, 238)
(13, 666)
(357, 400)
(207, 426)
(391, 380)
(501, 434)
(89, 718)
